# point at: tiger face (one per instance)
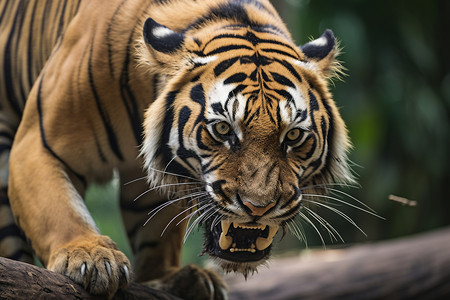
(243, 124)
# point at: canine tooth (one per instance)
(225, 241)
(225, 226)
(235, 225)
(272, 231)
(252, 246)
(263, 243)
(252, 250)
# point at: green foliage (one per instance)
(395, 101)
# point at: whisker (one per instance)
(196, 221)
(135, 180)
(353, 198)
(304, 217)
(327, 185)
(197, 210)
(177, 175)
(179, 214)
(331, 230)
(163, 185)
(346, 203)
(340, 213)
(157, 209)
(298, 233)
(216, 221)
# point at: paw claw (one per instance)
(108, 268)
(127, 273)
(83, 269)
(95, 263)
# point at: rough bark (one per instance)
(23, 281)
(410, 268)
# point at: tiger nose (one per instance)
(258, 211)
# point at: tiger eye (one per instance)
(293, 134)
(222, 128)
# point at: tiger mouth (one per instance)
(238, 242)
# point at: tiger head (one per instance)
(242, 125)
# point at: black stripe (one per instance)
(108, 37)
(238, 77)
(8, 58)
(10, 230)
(330, 135)
(128, 97)
(30, 48)
(284, 53)
(282, 79)
(43, 137)
(228, 48)
(228, 11)
(224, 65)
(5, 147)
(19, 254)
(145, 245)
(182, 151)
(61, 19)
(291, 69)
(6, 135)
(293, 198)
(290, 213)
(105, 119)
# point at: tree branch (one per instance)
(408, 268)
(416, 267)
(24, 281)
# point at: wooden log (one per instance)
(23, 281)
(408, 268)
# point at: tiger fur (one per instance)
(210, 100)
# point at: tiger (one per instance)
(207, 110)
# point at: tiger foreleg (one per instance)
(156, 228)
(51, 211)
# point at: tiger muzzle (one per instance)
(237, 242)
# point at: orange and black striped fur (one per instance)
(233, 122)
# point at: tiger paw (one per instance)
(192, 282)
(95, 263)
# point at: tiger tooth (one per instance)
(225, 241)
(272, 231)
(263, 243)
(225, 226)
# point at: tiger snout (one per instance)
(243, 238)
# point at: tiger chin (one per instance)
(230, 121)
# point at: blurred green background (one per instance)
(395, 100)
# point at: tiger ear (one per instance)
(162, 43)
(321, 53)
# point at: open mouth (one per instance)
(239, 242)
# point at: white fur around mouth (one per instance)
(226, 242)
